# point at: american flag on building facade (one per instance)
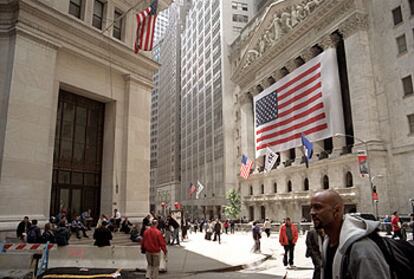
(145, 27)
(246, 165)
(191, 189)
(307, 101)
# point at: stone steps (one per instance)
(118, 239)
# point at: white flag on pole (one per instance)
(271, 158)
(200, 188)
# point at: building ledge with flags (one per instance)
(76, 110)
(279, 68)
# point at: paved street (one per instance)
(197, 257)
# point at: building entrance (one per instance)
(77, 160)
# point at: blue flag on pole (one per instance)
(307, 149)
(43, 263)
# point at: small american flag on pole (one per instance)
(246, 165)
(307, 101)
(145, 27)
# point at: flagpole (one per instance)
(120, 17)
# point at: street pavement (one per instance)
(233, 258)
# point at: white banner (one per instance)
(271, 158)
(308, 101)
(200, 187)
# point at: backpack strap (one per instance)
(386, 251)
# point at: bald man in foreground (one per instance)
(346, 232)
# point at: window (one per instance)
(117, 30)
(275, 187)
(262, 188)
(251, 190)
(397, 15)
(401, 44)
(98, 9)
(411, 3)
(348, 180)
(306, 184)
(75, 7)
(240, 18)
(325, 182)
(408, 85)
(411, 123)
(289, 186)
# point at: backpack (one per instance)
(399, 255)
(32, 236)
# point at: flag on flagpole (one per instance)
(307, 100)
(307, 149)
(44, 261)
(191, 189)
(246, 165)
(200, 188)
(145, 27)
(271, 158)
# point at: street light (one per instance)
(371, 179)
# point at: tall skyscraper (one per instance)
(206, 140)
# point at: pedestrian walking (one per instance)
(365, 259)
(217, 231)
(396, 225)
(102, 235)
(152, 244)
(257, 235)
(267, 226)
(226, 226)
(232, 224)
(314, 241)
(288, 236)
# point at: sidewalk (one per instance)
(197, 254)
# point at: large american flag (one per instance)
(145, 27)
(246, 165)
(306, 101)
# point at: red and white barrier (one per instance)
(15, 247)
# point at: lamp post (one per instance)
(374, 189)
(371, 179)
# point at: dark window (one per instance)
(349, 180)
(401, 44)
(262, 188)
(117, 31)
(408, 85)
(289, 186)
(251, 190)
(75, 7)
(325, 182)
(397, 15)
(98, 10)
(240, 18)
(411, 2)
(262, 213)
(411, 123)
(275, 187)
(306, 184)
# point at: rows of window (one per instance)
(77, 9)
(305, 186)
(239, 6)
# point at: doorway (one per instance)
(77, 160)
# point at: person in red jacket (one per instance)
(288, 236)
(152, 243)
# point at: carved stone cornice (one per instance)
(245, 98)
(356, 22)
(324, 18)
(59, 30)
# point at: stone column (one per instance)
(299, 154)
(361, 78)
(136, 144)
(28, 112)
(247, 143)
(284, 156)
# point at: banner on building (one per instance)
(200, 188)
(307, 101)
(363, 162)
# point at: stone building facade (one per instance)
(74, 110)
(374, 45)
